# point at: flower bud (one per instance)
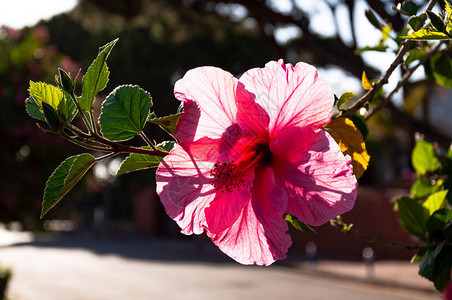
(52, 117)
(65, 81)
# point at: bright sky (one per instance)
(20, 13)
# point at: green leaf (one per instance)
(427, 266)
(421, 188)
(435, 202)
(65, 81)
(136, 161)
(168, 123)
(439, 219)
(43, 92)
(70, 109)
(427, 34)
(373, 19)
(416, 22)
(379, 48)
(124, 112)
(436, 265)
(344, 98)
(96, 77)
(64, 178)
(441, 70)
(414, 55)
(446, 163)
(437, 22)
(418, 256)
(410, 7)
(424, 158)
(52, 118)
(413, 216)
(33, 109)
(297, 224)
(448, 186)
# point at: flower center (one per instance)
(230, 176)
(226, 177)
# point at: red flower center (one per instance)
(229, 176)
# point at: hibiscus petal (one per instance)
(319, 182)
(290, 95)
(259, 236)
(183, 185)
(226, 207)
(209, 97)
(251, 117)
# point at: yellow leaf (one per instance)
(351, 142)
(365, 82)
(43, 92)
(448, 13)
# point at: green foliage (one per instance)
(437, 22)
(137, 161)
(44, 92)
(379, 48)
(414, 55)
(64, 178)
(427, 34)
(439, 67)
(52, 118)
(167, 123)
(416, 22)
(65, 81)
(410, 7)
(344, 98)
(413, 216)
(70, 109)
(439, 221)
(297, 224)
(435, 202)
(96, 78)
(436, 265)
(373, 19)
(424, 158)
(124, 112)
(427, 216)
(33, 109)
(421, 188)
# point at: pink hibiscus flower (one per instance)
(250, 151)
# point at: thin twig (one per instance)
(119, 148)
(406, 45)
(403, 81)
(105, 156)
(337, 223)
(148, 141)
(84, 145)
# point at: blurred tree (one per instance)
(26, 55)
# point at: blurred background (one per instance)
(158, 42)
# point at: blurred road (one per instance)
(55, 267)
